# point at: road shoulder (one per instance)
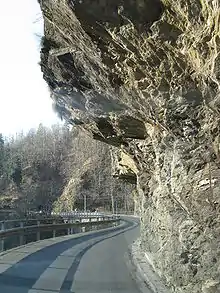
(143, 272)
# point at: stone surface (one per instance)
(145, 76)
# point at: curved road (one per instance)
(93, 262)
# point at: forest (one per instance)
(59, 169)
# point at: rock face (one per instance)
(144, 76)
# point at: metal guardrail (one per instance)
(79, 214)
(55, 217)
(71, 224)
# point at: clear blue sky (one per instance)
(24, 98)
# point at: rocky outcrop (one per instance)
(145, 76)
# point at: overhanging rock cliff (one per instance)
(144, 76)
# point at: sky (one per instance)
(24, 97)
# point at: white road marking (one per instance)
(52, 279)
(29, 250)
(12, 258)
(72, 252)
(4, 267)
(62, 262)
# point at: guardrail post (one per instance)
(54, 231)
(38, 232)
(21, 237)
(71, 231)
(72, 228)
(90, 226)
(68, 229)
(3, 240)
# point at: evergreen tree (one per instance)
(17, 173)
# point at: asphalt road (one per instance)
(90, 263)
